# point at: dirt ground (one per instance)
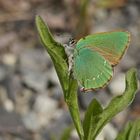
(31, 100)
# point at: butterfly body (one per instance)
(95, 55)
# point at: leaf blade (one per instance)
(91, 116)
(56, 52)
(130, 132)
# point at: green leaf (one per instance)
(56, 52)
(59, 58)
(91, 117)
(130, 132)
(118, 103)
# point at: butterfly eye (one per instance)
(72, 41)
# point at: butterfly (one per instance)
(95, 56)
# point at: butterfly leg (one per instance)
(86, 90)
(70, 61)
(82, 89)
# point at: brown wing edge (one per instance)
(128, 42)
(83, 89)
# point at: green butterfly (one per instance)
(95, 56)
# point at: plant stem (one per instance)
(68, 84)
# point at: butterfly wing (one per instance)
(111, 45)
(91, 69)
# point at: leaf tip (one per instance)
(131, 78)
(38, 19)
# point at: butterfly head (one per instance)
(72, 42)
(69, 48)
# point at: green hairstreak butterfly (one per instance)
(95, 56)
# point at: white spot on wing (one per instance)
(104, 62)
(93, 78)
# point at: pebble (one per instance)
(7, 39)
(37, 79)
(52, 76)
(34, 80)
(23, 101)
(5, 102)
(58, 124)
(127, 62)
(9, 59)
(108, 132)
(3, 72)
(117, 85)
(44, 107)
(15, 124)
(101, 96)
(33, 66)
(120, 118)
(8, 105)
(31, 122)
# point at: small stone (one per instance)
(52, 76)
(3, 72)
(34, 67)
(101, 14)
(101, 96)
(7, 39)
(117, 85)
(133, 12)
(60, 122)
(5, 101)
(108, 132)
(121, 118)
(23, 101)
(11, 122)
(35, 80)
(44, 107)
(9, 59)
(127, 62)
(31, 122)
(8, 105)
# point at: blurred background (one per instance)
(31, 100)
